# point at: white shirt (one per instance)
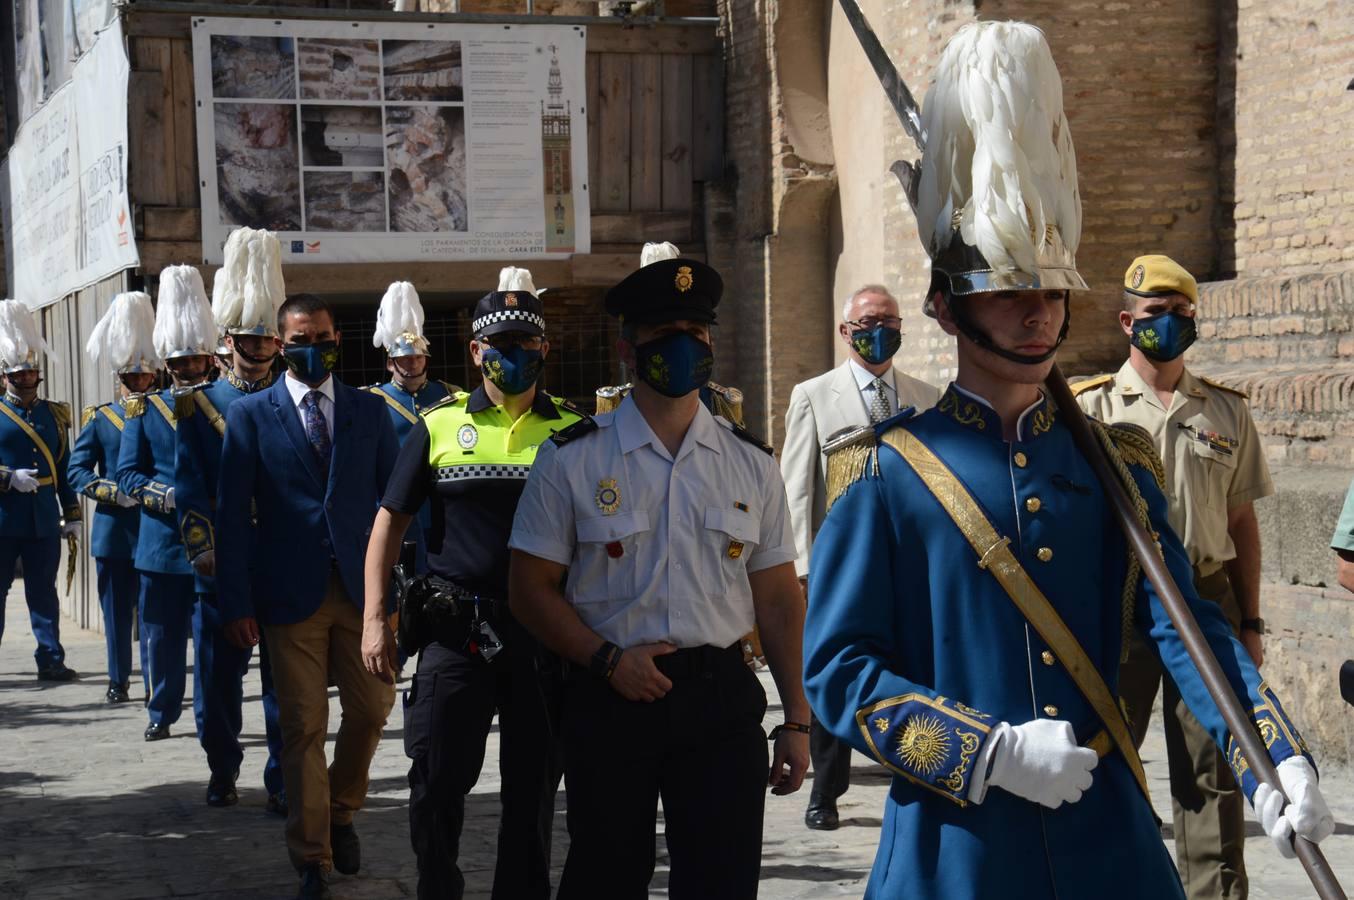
(865, 381)
(298, 390)
(658, 548)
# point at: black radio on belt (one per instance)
(435, 609)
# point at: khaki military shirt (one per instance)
(1208, 444)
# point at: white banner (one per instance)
(64, 184)
(363, 141)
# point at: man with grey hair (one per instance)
(867, 388)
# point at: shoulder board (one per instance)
(852, 453)
(742, 433)
(1135, 445)
(584, 426)
(565, 404)
(88, 416)
(1222, 387)
(374, 388)
(184, 404)
(448, 400)
(1090, 384)
(135, 405)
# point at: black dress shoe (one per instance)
(117, 693)
(277, 804)
(221, 791)
(822, 817)
(156, 732)
(347, 849)
(58, 672)
(314, 884)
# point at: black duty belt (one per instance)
(700, 662)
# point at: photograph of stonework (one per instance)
(253, 68)
(422, 70)
(425, 154)
(341, 136)
(257, 170)
(338, 69)
(345, 201)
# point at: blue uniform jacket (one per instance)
(93, 465)
(37, 514)
(197, 462)
(912, 653)
(306, 525)
(146, 472)
(404, 411)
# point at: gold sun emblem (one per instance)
(1269, 732)
(924, 744)
(881, 724)
(684, 281)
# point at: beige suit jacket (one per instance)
(819, 408)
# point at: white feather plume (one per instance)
(512, 278)
(657, 252)
(248, 288)
(19, 335)
(400, 313)
(125, 336)
(183, 317)
(998, 149)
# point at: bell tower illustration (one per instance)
(556, 157)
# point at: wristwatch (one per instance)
(1257, 625)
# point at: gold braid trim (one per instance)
(1126, 444)
(184, 405)
(87, 416)
(849, 458)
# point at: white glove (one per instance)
(1040, 761)
(1307, 813)
(126, 501)
(205, 563)
(70, 528)
(25, 481)
(169, 500)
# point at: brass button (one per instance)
(1033, 504)
(1021, 459)
(1050, 710)
(1044, 554)
(1047, 657)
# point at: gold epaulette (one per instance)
(88, 416)
(851, 454)
(184, 405)
(135, 406)
(727, 402)
(610, 397)
(1081, 387)
(61, 412)
(1222, 387)
(1135, 445)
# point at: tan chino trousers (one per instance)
(1209, 810)
(304, 655)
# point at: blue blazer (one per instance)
(93, 463)
(307, 526)
(146, 472)
(37, 514)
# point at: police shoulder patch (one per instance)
(1222, 387)
(851, 454)
(1135, 445)
(582, 428)
(88, 416)
(1090, 384)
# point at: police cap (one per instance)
(500, 311)
(666, 291)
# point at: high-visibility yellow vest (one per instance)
(488, 445)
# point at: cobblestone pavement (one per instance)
(89, 810)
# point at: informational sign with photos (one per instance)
(373, 142)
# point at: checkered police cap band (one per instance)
(507, 315)
(488, 471)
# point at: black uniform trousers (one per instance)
(447, 715)
(701, 749)
(831, 765)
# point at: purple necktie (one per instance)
(316, 430)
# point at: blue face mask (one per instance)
(1165, 336)
(512, 371)
(675, 364)
(878, 344)
(311, 363)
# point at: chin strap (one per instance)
(256, 360)
(977, 336)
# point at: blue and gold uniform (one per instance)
(199, 437)
(34, 438)
(167, 597)
(112, 542)
(914, 651)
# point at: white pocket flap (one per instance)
(739, 525)
(605, 529)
